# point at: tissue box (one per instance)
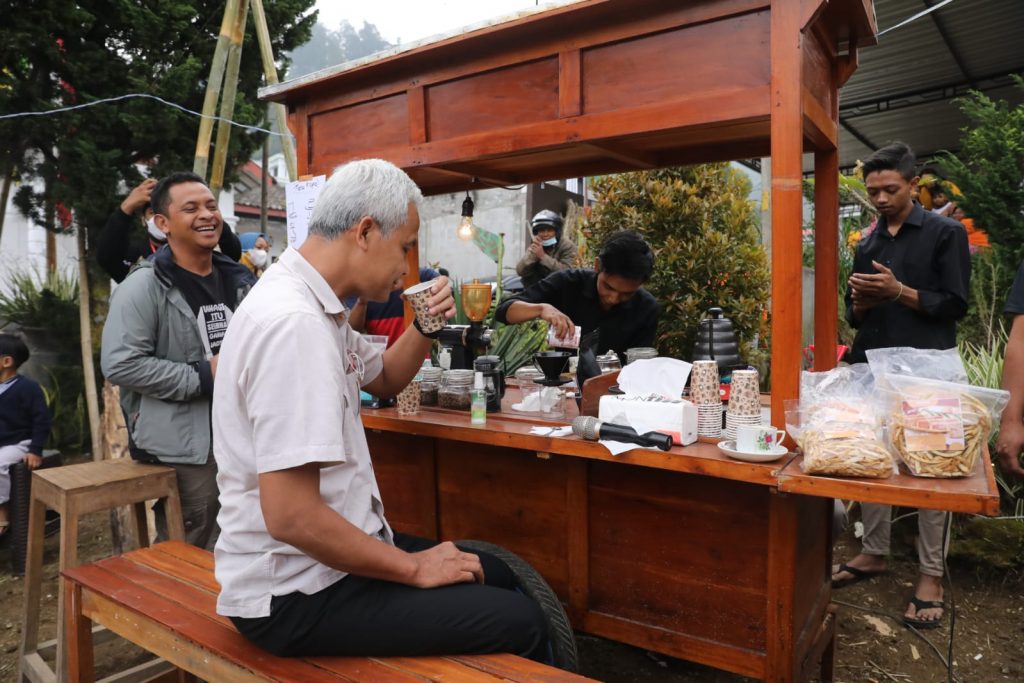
(652, 413)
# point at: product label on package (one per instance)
(933, 424)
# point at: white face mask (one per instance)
(155, 233)
(259, 257)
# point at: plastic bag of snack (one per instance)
(836, 426)
(939, 429)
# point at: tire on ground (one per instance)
(560, 634)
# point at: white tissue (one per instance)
(539, 401)
(663, 376)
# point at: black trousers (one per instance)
(357, 616)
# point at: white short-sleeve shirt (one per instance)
(287, 394)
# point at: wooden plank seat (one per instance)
(163, 599)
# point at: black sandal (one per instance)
(919, 605)
(858, 575)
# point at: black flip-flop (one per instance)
(919, 605)
(858, 576)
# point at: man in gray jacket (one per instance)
(161, 340)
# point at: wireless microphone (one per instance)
(592, 429)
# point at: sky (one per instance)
(411, 20)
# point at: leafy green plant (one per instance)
(28, 300)
(984, 313)
(707, 252)
(516, 344)
(989, 169)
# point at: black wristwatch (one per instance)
(428, 335)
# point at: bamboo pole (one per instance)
(270, 74)
(85, 329)
(227, 100)
(213, 86)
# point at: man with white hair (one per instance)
(306, 561)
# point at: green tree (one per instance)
(989, 169)
(704, 233)
(66, 52)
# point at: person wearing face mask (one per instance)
(255, 252)
(119, 248)
(549, 252)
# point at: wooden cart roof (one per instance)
(583, 88)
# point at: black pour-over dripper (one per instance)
(552, 363)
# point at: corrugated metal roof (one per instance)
(904, 87)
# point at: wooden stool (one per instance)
(73, 491)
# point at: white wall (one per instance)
(496, 210)
(23, 246)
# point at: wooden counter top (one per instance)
(977, 494)
(514, 432)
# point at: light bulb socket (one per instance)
(467, 206)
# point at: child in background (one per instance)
(24, 418)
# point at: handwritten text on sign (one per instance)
(301, 198)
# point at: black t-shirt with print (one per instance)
(210, 301)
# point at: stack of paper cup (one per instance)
(704, 393)
(744, 402)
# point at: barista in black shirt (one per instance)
(610, 298)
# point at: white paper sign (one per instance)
(301, 198)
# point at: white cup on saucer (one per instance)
(759, 438)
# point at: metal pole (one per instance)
(263, 185)
(227, 101)
(270, 73)
(213, 85)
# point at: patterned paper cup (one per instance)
(409, 399)
(745, 394)
(418, 296)
(704, 383)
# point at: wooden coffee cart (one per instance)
(687, 553)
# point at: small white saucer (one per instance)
(729, 448)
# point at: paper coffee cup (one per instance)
(418, 295)
(409, 399)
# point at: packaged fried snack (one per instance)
(939, 429)
(836, 427)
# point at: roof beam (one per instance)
(927, 95)
(471, 175)
(632, 157)
(857, 135)
(940, 26)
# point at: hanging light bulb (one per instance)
(465, 230)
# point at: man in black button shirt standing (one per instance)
(610, 298)
(160, 344)
(908, 288)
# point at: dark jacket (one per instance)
(24, 415)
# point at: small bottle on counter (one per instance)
(478, 401)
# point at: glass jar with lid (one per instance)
(609, 362)
(430, 384)
(454, 390)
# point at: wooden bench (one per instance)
(163, 599)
